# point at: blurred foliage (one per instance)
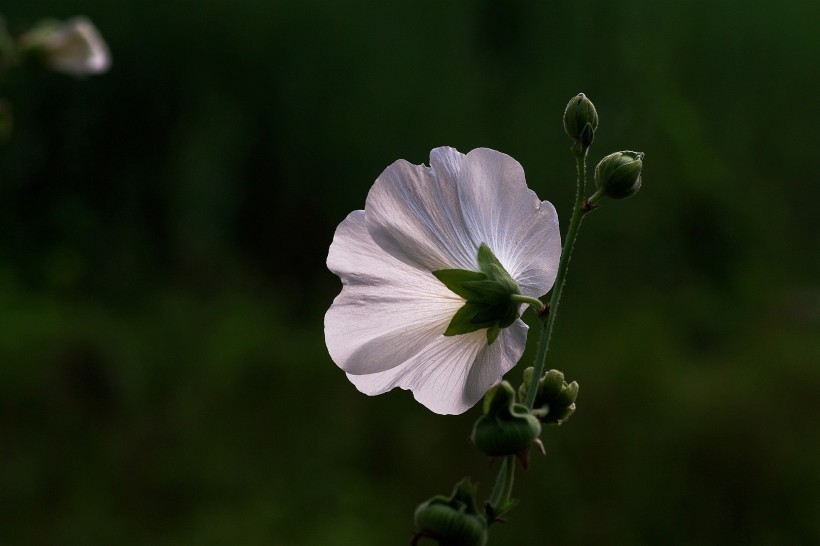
(163, 231)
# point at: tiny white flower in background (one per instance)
(386, 328)
(73, 47)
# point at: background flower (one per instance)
(386, 328)
(74, 47)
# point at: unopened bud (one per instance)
(554, 399)
(454, 520)
(506, 428)
(618, 175)
(581, 120)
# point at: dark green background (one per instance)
(163, 231)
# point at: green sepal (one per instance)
(462, 281)
(465, 320)
(492, 333)
(487, 293)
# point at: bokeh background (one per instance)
(164, 227)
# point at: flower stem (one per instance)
(510, 478)
(572, 233)
(502, 490)
(506, 474)
(536, 304)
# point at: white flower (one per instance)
(386, 328)
(74, 47)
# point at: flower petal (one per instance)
(413, 213)
(387, 311)
(502, 212)
(453, 373)
(436, 375)
(494, 360)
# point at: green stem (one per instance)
(502, 490)
(510, 478)
(572, 233)
(499, 486)
(534, 302)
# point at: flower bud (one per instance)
(506, 428)
(453, 521)
(618, 175)
(74, 47)
(581, 120)
(554, 400)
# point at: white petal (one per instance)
(413, 212)
(493, 361)
(77, 48)
(453, 373)
(387, 311)
(436, 376)
(502, 212)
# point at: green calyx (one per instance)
(507, 427)
(453, 520)
(488, 293)
(554, 398)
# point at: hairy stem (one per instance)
(548, 321)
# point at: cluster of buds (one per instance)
(618, 175)
(506, 427)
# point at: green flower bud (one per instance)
(454, 520)
(581, 120)
(618, 175)
(506, 428)
(554, 400)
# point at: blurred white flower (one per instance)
(387, 327)
(73, 47)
